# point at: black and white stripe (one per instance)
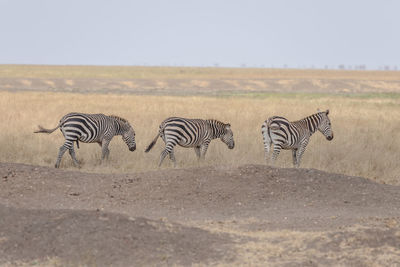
(282, 134)
(91, 128)
(194, 133)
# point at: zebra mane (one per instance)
(309, 121)
(315, 115)
(215, 122)
(118, 118)
(218, 127)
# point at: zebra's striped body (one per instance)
(91, 128)
(283, 134)
(194, 133)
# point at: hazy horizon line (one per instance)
(341, 67)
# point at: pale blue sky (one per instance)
(231, 33)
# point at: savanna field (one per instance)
(341, 208)
(366, 125)
(366, 130)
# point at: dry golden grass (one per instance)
(141, 72)
(366, 143)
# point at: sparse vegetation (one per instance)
(367, 133)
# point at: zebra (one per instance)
(91, 128)
(293, 135)
(196, 133)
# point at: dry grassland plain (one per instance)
(366, 143)
(366, 125)
(364, 111)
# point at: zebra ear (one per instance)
(227, 126)
(327, 111)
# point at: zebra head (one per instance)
(128, 135)
(227, 136)
(325, 125)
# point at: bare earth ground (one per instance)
(226, 215)
(199, 87)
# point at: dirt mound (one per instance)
(286, 198)
(201, 215)
(102, 239)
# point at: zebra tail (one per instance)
(152, 143)
(48, 131)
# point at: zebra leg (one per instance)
(294, 151)
(172, 157)
(162, 156)
(72, 154)
(267, 148)
(299, 155)
(267, 143)
(169, 149)
(197, 151)
(300, 152)
(105, 152)
(203, 149)
(61, 152)
(275, 153)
